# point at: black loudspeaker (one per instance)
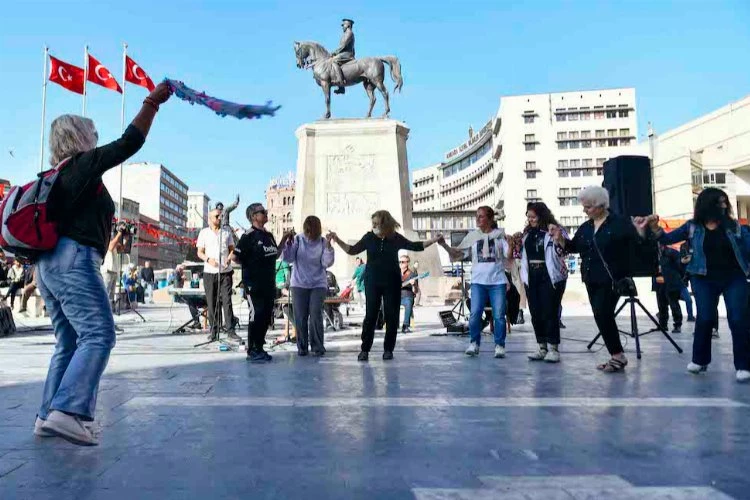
(628, 181)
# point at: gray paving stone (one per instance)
(179, 422)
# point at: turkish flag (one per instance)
(135, 74)
(69, 76)
(101, 76)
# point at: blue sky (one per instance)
(684, 58)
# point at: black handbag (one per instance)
(624, 287)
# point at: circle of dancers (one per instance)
(77, 299)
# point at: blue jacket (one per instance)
(693, 232)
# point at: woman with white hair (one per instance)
(604, 243)
(68, 276)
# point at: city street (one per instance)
(175, 421)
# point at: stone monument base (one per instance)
(348, 169)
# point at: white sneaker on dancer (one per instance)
(473, 349)
(499, 351)
(69, 428)
(743, 376)
(696, 368)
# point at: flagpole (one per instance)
(122, 120)
(85, 74)
(44, 107)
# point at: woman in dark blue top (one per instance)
(719, 247)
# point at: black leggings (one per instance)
(544, 305)
(603, 302)
(390, 295)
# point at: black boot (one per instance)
(363, 356)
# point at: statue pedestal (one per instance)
(348, 169)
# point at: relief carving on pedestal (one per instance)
(348, 162)
(350, 204)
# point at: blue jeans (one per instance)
(688, 300)
(480, 294)
(408, 303)
(73, 291)
(735, 292)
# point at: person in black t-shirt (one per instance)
(257, 252)
(68, 277)
(382, 277)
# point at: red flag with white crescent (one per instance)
(101, 76)
(64, 74)
(135, 74)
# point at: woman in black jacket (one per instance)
(382, 277)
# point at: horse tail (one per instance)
(395, 65)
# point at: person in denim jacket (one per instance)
(719, 248)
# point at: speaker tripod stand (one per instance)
(632, 300)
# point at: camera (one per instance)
(126, 228)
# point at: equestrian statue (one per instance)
(340, 69)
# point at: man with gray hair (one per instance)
(68, 276)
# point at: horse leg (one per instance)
(370, 89)
(326, 86)
(384, 91)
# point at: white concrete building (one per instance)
(538, 147)
(197, 210)
(550, 146)
(713, 150)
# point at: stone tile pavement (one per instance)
(177, 421)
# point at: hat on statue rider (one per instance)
(348, 21)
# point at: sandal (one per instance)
(613, 365)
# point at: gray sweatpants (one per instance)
(308, 316)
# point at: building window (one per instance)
(563, 173)
(531, 194)
(562, 163)
(585, 144)
(624, 142)
(575, 163)
(531, 174)
(560, 117)
(585, 134)
(573, 117)
(530, 146)
(624, 132)
(562, 145)
(562, 136)
(611, 142)
(612, 132)
(600, 162)
(623, 113)
(574, 145)
(573, 135)
(612, 114)
(599, 133)
(528, 119)
(601, 143)
(530, 165)
(528, 138)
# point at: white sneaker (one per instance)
(69, 428)
(552, 356)
(539, 355)
(743, 376)
(39, 431)
(473, 349)
(696, 368)
(499, 351)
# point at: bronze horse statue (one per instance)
(369, 71)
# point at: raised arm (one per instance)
(289, 245)
(328, 254)
(454, 253)
(355, 249)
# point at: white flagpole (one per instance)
(122, 121)
(44, 107)
(85, 74)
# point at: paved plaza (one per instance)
(181, 422)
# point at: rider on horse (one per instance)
(343, 55)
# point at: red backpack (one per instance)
(26, 228)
